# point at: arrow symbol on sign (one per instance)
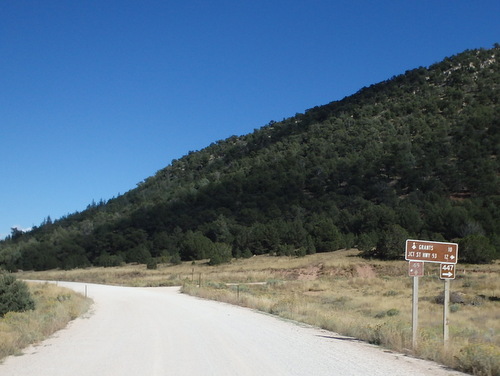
(414, 246)
(452, 257)
(449, 274)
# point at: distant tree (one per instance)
(391, 243)
(196, 246)
(175, 258)
(476, 249)
(9, 258)
(310, 247)
(221, 254)
(138, 254)
(367, 242)
(327, 237)
(107, 260)
(15, 233)
(410, 218)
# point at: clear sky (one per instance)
(97, 95)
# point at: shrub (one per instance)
(14, 295)
(480, 359)
(152, 264)
(391, 293)
(393, 312)
(175, 258)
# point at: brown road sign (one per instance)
(427, 251)
(447, 271)
(416, 269)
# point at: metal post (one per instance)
(446, 311)
(415, 312)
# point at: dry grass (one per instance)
(369, 300)
(55, 307)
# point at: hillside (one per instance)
(413, 156)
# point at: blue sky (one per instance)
(97, 95)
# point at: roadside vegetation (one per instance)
(342, 292)
(52, 309)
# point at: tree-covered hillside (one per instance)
(415, 156)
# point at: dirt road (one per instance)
(158, 331)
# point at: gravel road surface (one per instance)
(158, 331)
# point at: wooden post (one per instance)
(414, 315)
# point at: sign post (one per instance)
(446, 311)
(446, 272)
(415, 270)
(414, 312)
(419, 251)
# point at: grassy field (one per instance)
(341, 292)
(55, 307)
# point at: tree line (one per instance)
(415, 156)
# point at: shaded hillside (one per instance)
(413, 156)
